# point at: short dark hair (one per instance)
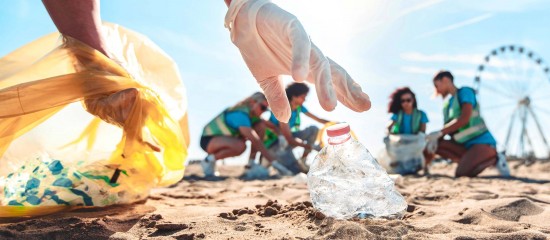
(443, 73)
(296, 89)
(395, 99)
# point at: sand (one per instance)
(440, 207)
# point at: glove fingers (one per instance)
(320, 76)
(348, 91)
(301, 48)
(276, 97)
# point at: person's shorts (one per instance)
(205, 140)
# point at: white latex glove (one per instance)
(282, 170)
(274, 43)
(434, 136)
(432, 141)
(431, 146)
(283, 143)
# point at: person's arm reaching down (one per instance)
(78, 19)
(251, 135)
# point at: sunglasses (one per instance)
(406, 100)
(263, 107)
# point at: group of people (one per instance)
(226, 134)
(471, 145)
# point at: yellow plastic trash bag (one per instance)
(55, 155)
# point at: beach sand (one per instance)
(440, 207)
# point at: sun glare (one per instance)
(332, 26)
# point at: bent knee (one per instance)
(473, 171)
(313, 129)
(240, 147)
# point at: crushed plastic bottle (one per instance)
(345, 181)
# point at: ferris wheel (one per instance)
(513, 86)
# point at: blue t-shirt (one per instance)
(237, 119)
(467, 95)
(292, 121)
(406, 124)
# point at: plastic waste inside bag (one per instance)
(345, 181)
(79, 184)
(403, 153)
(79, 129)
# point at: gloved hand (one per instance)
(274, 43)
(434, 136)
(282, 170)
(432, 141)
(431, 146)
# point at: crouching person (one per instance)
(406, 140)
(225, 136)
(472, 146)
(282, 138)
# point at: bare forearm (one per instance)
(296, 142)
(259, 146)
(422, 127)
(323, 121)
(462, 120)
(318, 119)
(253, 153)
(454, 126)
(78, 19)
(272, 126)
(256, 143)
(285, 130)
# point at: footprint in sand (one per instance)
(476, 217)
(514, 210)
(511, 211)
(482, 195)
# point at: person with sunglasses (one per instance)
(472, 146)
(281, 137)
(407, 119)
(225, 135)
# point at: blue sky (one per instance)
(382, 44)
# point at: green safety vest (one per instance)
(475, 127)
(297, 121)
(271, 137)
(218, 126)
(416, 117)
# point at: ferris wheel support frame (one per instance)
(539, 128)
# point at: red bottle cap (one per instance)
(338, 129)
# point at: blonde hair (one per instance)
(254, 98)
